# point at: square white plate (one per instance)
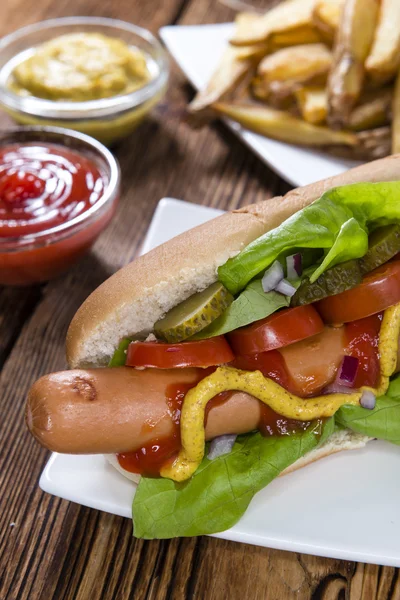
(197, 50)
(345, 506)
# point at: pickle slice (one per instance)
(338, 279)
(384, 243)
(193, 314)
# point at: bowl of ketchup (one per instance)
(58, 191)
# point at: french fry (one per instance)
(253, 53)
(281, 73)
(279, 101)
(374, 111)
(384, 60)
(287, 16)
(375, 139)
(396, 117)
(353, 43)
(371, 145)
(282, 126)
(313, 104)
(229, 73)
(326, 16)
(296, 37)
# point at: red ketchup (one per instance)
(149, 459)
(43, 186)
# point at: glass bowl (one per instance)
(107, 119)
(42, 255)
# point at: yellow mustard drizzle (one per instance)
(267, 391)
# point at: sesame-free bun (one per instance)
(134, 298)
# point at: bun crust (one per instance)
(134, 298)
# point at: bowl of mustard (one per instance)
(95, 75)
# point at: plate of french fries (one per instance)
(312, 86)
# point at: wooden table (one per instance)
(53, 549)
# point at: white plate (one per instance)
(345, 506)
(197, 50)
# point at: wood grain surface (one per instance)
(52, 549)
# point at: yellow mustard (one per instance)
(80, 67)
(267, 391)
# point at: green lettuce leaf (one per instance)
(338, 223)
(251, 305)
(383, 422)
(220, 491)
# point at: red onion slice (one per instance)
(294, 266)
(337, 388)
(272, 277)
(345, 377)
(221, 445)
(285, 288)
(368, 400)
(348, 371)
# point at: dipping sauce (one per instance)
(44, 186)
(79, 67)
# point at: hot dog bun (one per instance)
(133, 299)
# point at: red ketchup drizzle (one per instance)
(362, 338)
(149, 459)
(42, 186)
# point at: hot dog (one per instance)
(287, 371)
(112, 406)
(125, 400)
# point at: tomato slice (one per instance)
(378, 290)
(204, 353)
(362, 339)
(280, 329)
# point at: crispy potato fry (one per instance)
(284, 71)
(244, 21)
(313, 104)
(396, 117)
(353, 43)
(371, 145)
(374, 138)
(384, 60)
(253, 53)
(282, 126)
(374, 110)
(326, 16)
(279, 101)
(287, 16)
(296, 37)
(229, 73)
